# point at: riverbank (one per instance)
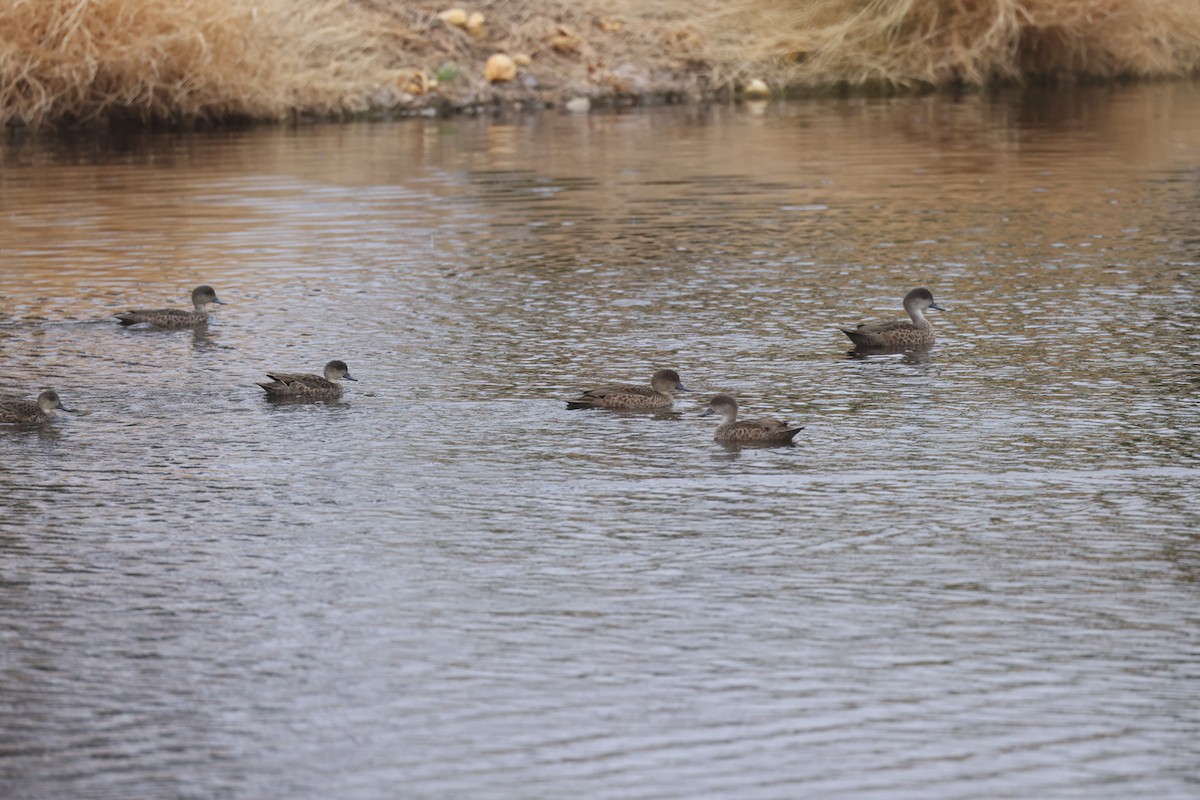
(65, 63)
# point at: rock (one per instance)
(567, 45)
(578, 105)
(454, 16)
(475, 24)
(756, 89)
(522, 59)
(500, 68)
(563, 40)
(629, 79)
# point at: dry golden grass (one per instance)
(186, 60)
(180, 61)
(911, 43)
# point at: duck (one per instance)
(895, 333)
(300, 385)
(627, 397)
(175, 318)
(764, 431)
(24, 411)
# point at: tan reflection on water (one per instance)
(449, 582)
(175, 211)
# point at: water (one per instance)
(974, 576)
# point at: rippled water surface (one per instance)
(974, 576)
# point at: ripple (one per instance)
(450, 582)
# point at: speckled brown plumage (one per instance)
(174, 318)
(627, 397)
(25, 411)
(765, 431)
(899, 334)
(302, 385)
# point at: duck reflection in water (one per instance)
(908, 355)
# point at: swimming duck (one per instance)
(291, 384)
(762, 431)
(175, 318)
(625, 397)
(32, 410)
(898, 333)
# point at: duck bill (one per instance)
(707, 413)
(939, 308)
(347, 377)
(681, 388)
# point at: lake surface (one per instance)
(977, 574)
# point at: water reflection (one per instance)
(45, 432)
(285, 400)
(908, 355)
(450, 581)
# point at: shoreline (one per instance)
(185, 63)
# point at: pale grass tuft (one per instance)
(910, 43)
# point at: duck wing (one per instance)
(162, 317)
(12, 410)
(620, 388)
(769, 424)
(298, 379)
(761, 431)
(882, 326)
(596, 397)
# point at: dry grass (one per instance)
(185, 60)
(912, 43)
(180, 61)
